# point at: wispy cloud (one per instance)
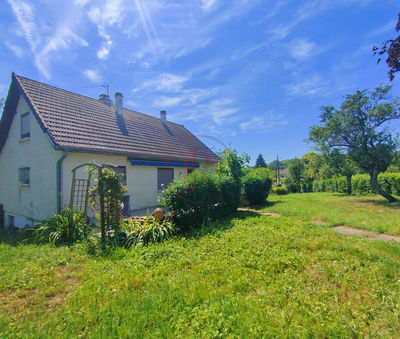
(308, 85)
(207, 5)
(186, 97)
(263, 123)
(17, 50)
(166, 82)
(389, 26)
(43, 45)
(105, 16)
(93, 75)
(302, 48)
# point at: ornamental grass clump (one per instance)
(66, 227)
(139, 232)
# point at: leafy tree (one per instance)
(231, 163)
(296, 170)
(274, 165)
(394, 166)
(260, 162)
(312, 165)
(339, 164)
(358, 129)
(392, 48)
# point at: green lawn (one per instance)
(249, 276)
(370, 212)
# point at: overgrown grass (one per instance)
(369, 212)
(249, 276)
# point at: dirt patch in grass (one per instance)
(19, 303)
(370, 235)
(319, 222)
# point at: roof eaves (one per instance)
(142, 156)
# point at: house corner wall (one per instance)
(36, 201)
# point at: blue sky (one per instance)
(252, 74)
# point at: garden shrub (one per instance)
(291, 185)
(279, 190)
(65, 228)
(256, 187)
(201, 197)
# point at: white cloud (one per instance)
(263, 123)
(186, 97)
(81, 3)
(44, 43)
(17, 50)
(93, 75)
(166, 82)
(302, 48)
(103, 17)
(389, 26)
(307, 86)
(206, 5)
(164, 101)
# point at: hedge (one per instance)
(360, 185)
(256, 187)
(279, 190)
(201, 197)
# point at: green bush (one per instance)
(201, 197)
(291, 185)
(256, 187)
(138, 232)
(64, 228)
(360, 184)
(279, 190)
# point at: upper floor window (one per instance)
(164, 177)
(23, 175)
(25, 126)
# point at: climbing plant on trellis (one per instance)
(106, 198)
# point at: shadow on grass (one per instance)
(384, 203)
(16, 237)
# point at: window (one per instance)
(25, 126)
(190, 170)
(121, 170)
(23, 174)
(11, 221)
(164, 177)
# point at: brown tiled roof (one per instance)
(80, 123)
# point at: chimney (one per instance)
(105, 99)
(118, 103)
(163, 116)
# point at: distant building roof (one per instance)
(78, 123)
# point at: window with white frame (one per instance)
(25, 126)
(23, 175)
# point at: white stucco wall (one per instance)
(38, 200)
(141, 181)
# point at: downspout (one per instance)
(59, 179)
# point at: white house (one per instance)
(45, 132)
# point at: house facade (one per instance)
(46, 132)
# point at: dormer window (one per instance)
(25, 126)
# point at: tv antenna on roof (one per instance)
(104, 85)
